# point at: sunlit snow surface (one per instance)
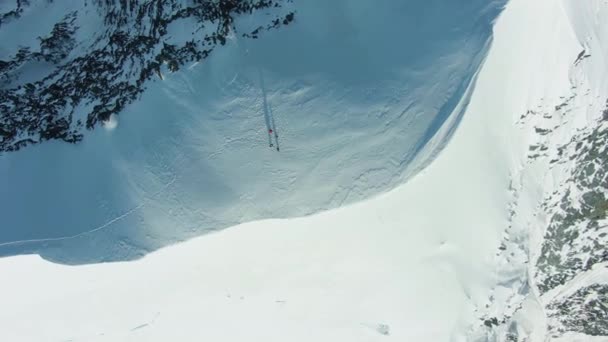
(411, 264)
(418, 263)
(356, 90)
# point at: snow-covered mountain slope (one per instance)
(411, 264)
(500, 238)
(354, 89)
(553, 278)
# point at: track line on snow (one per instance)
(101, 227)
(271, 126)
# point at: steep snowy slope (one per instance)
(354, 89)
(411, 264)
(553, 278)
(501, 238)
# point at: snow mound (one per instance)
(112, 123)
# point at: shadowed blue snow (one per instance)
(356, 89)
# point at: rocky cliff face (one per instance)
(553, 280)
(84, 79)
(570, 268)
(553, 260)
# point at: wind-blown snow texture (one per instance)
(356, 89)
(54, 86)
(500, 238)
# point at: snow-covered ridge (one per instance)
(457, 253)
(358, 99)
(411, 264)
(553, 280)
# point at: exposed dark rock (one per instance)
(491, 322)
(128, 52)
(575, 239)
(585, 311)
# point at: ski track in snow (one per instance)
(434, 259)
(349, 125)
(97, 229)
(409, 264)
